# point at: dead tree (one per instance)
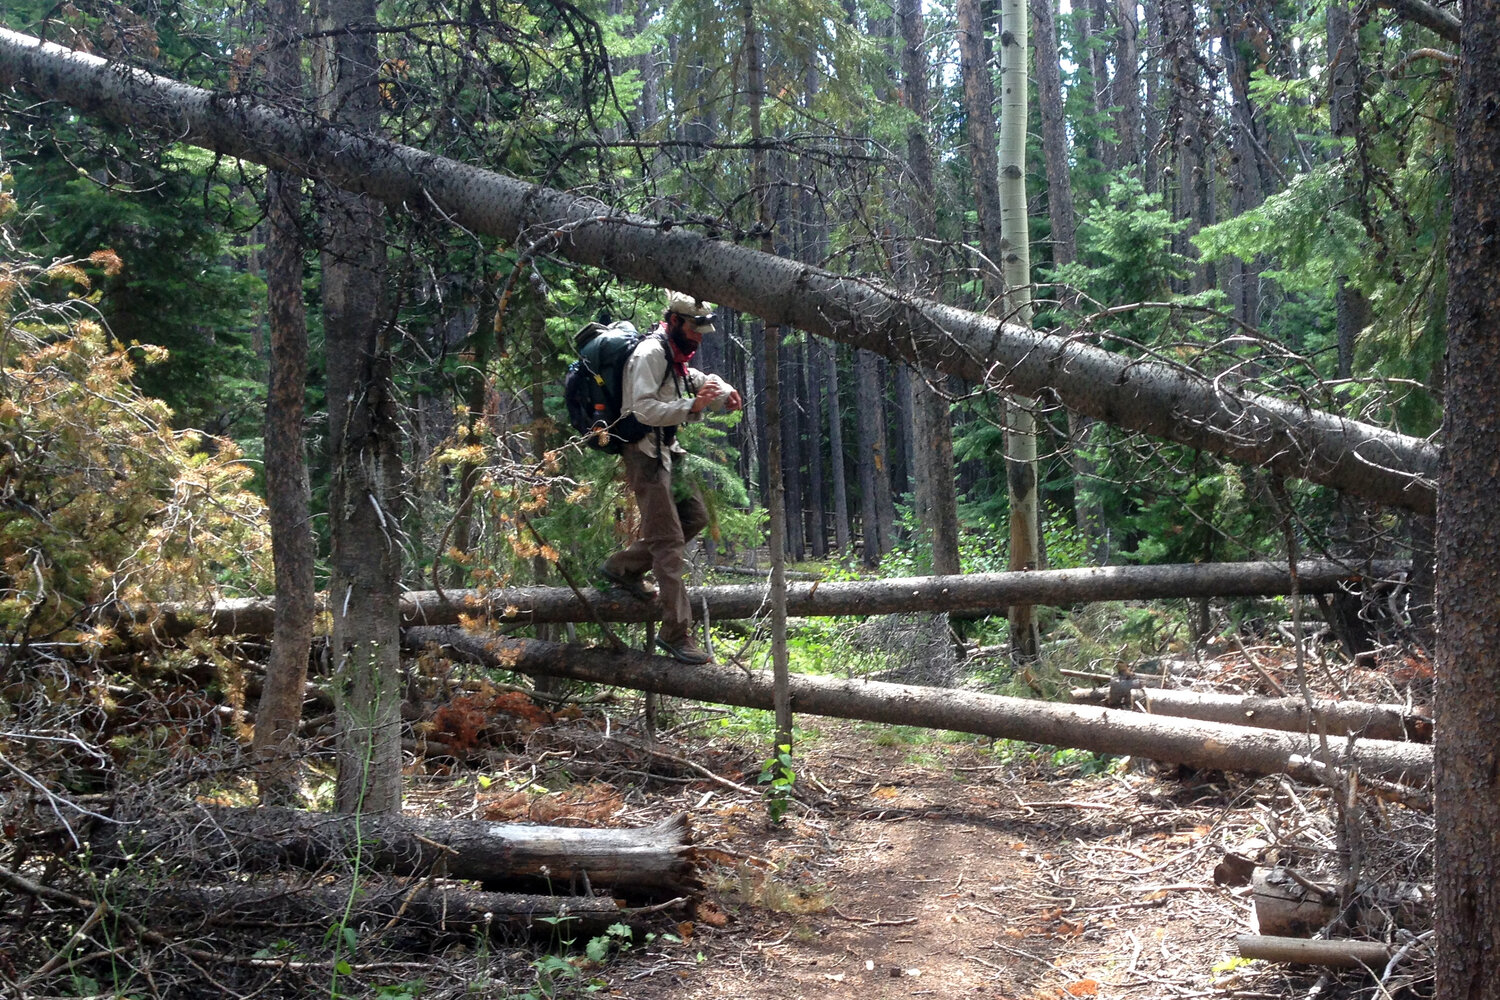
(1151, 396)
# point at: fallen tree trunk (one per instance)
(1287, 907)
(1301, 951)
(1103, 730)
(975, 593)
(258, 840)
(1156, 397)
(400, 906)
(1372, 721)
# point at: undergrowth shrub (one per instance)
(101, 499)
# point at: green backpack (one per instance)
(593, 389)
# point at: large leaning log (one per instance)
(657, 857)
(1103, 730)
(1157, 397)
(975, 593)
(1361, 718)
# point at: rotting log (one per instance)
(658, 857)
(425, 906)
(1367, 719)
(975, 593)
(1286, 906)
(1220, 415)
(1103, 730)
(1301, 951)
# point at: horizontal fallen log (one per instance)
(975, 593)
(1301, 951)
(1367, 719)
(397, 905)
(1102, 730)
(658, 857)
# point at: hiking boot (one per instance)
(631, 583)
(683, 650)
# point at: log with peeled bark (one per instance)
(658, 857)
(424, 906)
(974, 593)
(1221, 415)
(1372, 721)
(1103, 730)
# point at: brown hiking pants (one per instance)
(666, 528)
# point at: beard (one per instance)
(684, 348)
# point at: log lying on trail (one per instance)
(438, 907)
(1301, 951)
(975, 593)
(652, 858)
(1103, 730)
(1222, 415)
(1372, 721)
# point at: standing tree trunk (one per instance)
(930, 458)
(788, 382)
(1186, 124)
(871, 457)
(1020, 422)
(1155, 11)
(779, 661)
(1087, 513)
(831, 405)
(812, 372)
(363, 442)
(1352, 309)
(1247, 185)
(1468, 648)
(1127, 81)
(287, 490)
(984, 166)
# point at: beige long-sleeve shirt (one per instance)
(659, 398)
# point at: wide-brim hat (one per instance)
(700, 314)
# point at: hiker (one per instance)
(662, 392)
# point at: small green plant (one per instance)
(598, 949)
(778, 777)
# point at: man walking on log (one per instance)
(661, 391)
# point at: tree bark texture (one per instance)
(1377, 722)
(1126, 83)
(1301, 951)
(831, 406)
(973, 593)
(435, 908)
(969, 594)
(930, 458)
(272, 839)
(364, 443)
(1102, 730)
(1153, 397)
(1442, 22)
(1468, 540)
(870, 456)
(1015, 228)
(288, 487)
(984, 149)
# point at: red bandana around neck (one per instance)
(678, 358)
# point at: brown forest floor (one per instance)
(909, 864)
(923, 864)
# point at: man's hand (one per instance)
(734, 402)
(706, 394)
